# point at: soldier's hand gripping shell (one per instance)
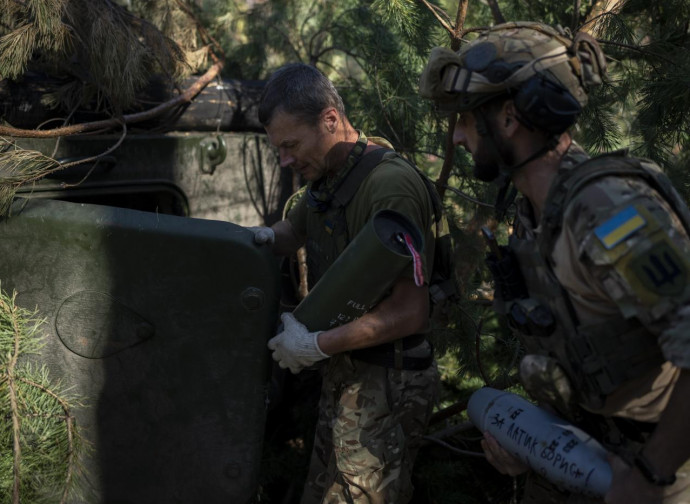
(295, 347)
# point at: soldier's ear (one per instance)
(508, 118)
(330, 118)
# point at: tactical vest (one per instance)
(330, 236)
(326, 242)
(597, 358)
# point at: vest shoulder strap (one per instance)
(366, 164)
(357, 174)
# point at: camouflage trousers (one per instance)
(540, 491)
(371, 420)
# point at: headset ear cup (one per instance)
(545, 105)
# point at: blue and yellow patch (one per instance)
(619, 227)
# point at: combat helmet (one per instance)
(546, 72)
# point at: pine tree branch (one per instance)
(477, 351)
(599, 9)
(447, 167)
(14, 403)
(288, 42)
(203, 32)
(439, 15)
(465, 196)
(638, 49)
(46, 166)
(93, 159)
(456, 37)
(448, 412)
(311, 45)
(385, 114)
(468, 453)
(311, 13)
(187, 96)
(35, 470)
(460, 17)
(69, 420)
(496, 11)
(576, 13)
(314, 59)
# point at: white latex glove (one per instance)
(295, 348)
(263, 235)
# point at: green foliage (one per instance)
(94, 45)
(372, 51)
(39, 440)
(598, 128)
(18, 167)
(648, 44)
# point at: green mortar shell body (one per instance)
(363, 273)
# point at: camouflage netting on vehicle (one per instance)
(95, 53)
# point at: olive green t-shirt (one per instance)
(393, 185)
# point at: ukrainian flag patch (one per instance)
(619, 227)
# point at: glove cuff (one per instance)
(316, 345)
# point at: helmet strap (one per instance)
(507, 192)
(550, 144)
(505, 196)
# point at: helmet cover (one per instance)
(502, 58)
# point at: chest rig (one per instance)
(597, 358)
(327, 200)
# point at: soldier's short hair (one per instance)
(300, 90)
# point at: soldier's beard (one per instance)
(486, 172)
(489, 157)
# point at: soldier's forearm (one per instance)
(286, 240)
(403, 313)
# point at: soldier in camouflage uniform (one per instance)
(379, 374)
(594, 280)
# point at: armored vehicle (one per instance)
(157, 303)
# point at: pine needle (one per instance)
(19, 167)
(39, 443)
(15, 50)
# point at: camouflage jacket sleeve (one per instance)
(636, 250)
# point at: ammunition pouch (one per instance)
(547, 382)
(609, 354)
(442, 291)
(525, 315)
(530, 317)
(508, 280)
